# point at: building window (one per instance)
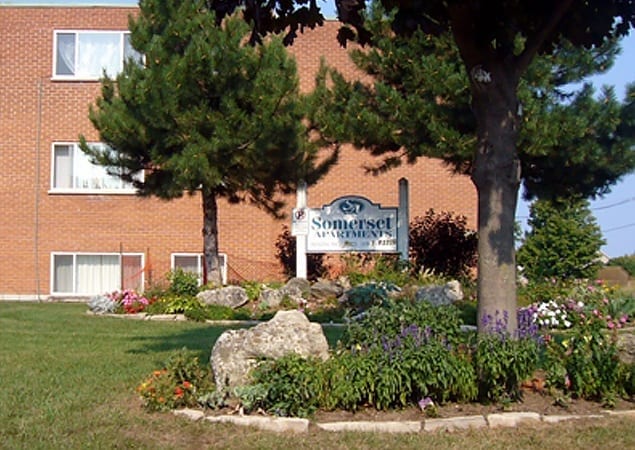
(193, 263)
(95, 273)
(84, 55)
(72, 171)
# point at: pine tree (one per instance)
(205, 113)
(564, 241)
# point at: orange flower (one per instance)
(178, 392)
(187, 385)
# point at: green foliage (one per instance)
(369, 268)
(363, 296)
(564, 241)
(443, 243)
(629, 379)
(502, 364)
(387, 321)
(537, 291)
(252, 397)
(584, 362)
(177, 385)
(173, 304)
(575, 144)
(286, 254)
(253, 289)
(183, 283)
(293, 385)
(627, 262)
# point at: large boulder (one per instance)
(232, 296)
(447, 294)
(325, 289)
(236, 352)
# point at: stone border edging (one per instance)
(297, 425)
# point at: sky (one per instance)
(615, 212)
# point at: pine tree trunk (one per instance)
(496, 175)
(210, 238)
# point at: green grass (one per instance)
(68, 380)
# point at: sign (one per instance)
(300, 222)
(351, 223)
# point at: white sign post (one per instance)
(300, 229)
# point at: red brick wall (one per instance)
(36, 111)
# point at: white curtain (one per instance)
(63, 273)
(63, 166)
(65, 61)
(98, 51)
(97, 274)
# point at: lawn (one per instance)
(68, 381)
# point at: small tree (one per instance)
(442, 242)
(564, 241)
(206, 113)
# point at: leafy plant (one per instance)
(388, 320)
(501, 362)
(362, 297)
(177, 385)
(251, 397)
(443, 242)
(183, 283)
(293, 385)
(369, 268)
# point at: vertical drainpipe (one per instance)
(36, 225)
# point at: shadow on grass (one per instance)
(202, 339)
(199, 340)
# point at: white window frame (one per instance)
(125, 189)
(199, 264)
(89, 77)
(75, 255)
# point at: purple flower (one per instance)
(425, 402)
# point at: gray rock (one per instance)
(447, 294)
(626, 347)
(271, 297)
(324, 289)
(232, 296)
(296, 286)
(236, 352)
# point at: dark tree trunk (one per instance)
(496, 175)
(210, 238)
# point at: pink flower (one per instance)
(624, 318)
(611, 325)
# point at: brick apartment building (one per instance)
(67, 229)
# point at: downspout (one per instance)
(36, 225)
